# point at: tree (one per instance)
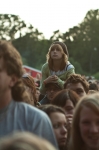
(12, 27)
(83, 42)
(32, 49)
(56, 36)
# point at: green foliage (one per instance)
(82, 42)
(77, 66)
(24, 60)
(33, 50)
(12, 27)
(96, 75)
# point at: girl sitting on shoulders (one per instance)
(57, 68)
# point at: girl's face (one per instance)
(56, 52)
(69, 107)
(89, 128)
(59, 123)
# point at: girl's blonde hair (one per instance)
(50, 60)
(24, 141)
(91, 101)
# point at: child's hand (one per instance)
(52, 78)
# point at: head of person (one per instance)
(11, 71)
(59, 122)
(77, 83)
(57, 51)
(67, 99)
(24, 141)
(97, 82)
(93, 86)
(51, 90)
(30, 87)
(85, 125)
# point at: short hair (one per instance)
(91, 101)
(24, 141)
(50, 61)
(77, 78)
(13, 65)
(49, 108)
(93, 86)
(64, 95)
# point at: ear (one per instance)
(13, 81)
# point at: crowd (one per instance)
(59, 112)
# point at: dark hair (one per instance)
(47, 85)
(13, 65)
(77, 78)
(93, 86)
(62, 96)
(49, 108)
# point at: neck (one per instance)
(57, 64)
(5, 99)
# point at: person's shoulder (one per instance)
(29, 109)
(24, 106)
(45, 68)
(69, 66)
(45, 65)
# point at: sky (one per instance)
(49, 15)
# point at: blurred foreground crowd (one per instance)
(59, 111)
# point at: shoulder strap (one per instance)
(67, 66)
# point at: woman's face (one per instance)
(69, 107)
(56, 52)
(89, 128)
(59, 123)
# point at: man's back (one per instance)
(19, 116)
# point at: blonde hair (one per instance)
(50, 61)
(91, 101)
(24, 141)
